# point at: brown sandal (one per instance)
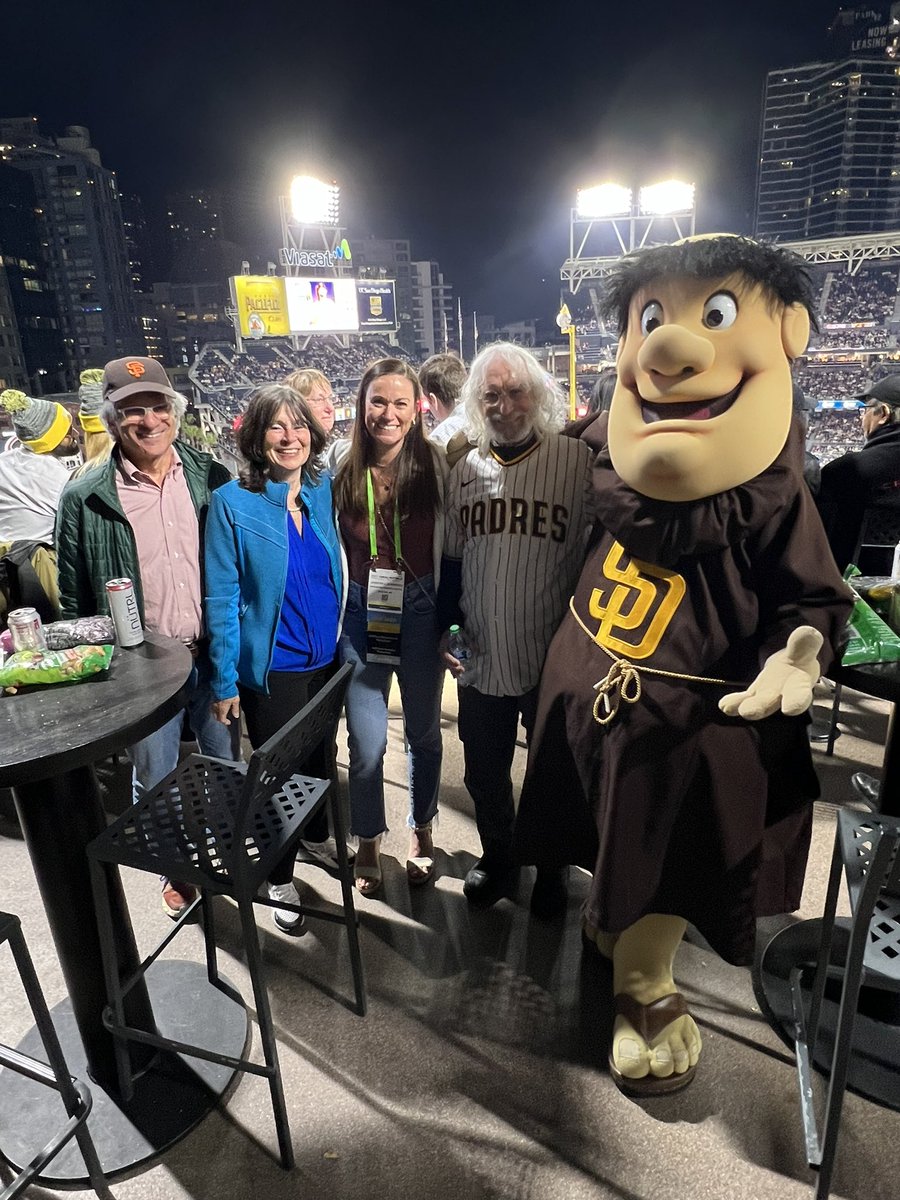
(649, 1020)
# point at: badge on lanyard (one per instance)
(384, 599)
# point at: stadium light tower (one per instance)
(312, 241)
(615, 220)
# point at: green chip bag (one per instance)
(871, 640)
(28, 667)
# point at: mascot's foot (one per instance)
(655, 1046)
(596, 941)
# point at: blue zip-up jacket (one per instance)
(246, 568)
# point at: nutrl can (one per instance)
(26, 630)
(124, 610)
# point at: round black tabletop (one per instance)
(46, 731)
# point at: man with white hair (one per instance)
(140, 516)
(518, 513)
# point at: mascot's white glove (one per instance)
(785, 682)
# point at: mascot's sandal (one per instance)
(649, 1021)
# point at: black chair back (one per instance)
(273, 791)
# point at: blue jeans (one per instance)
(420, 676)
(153, 757)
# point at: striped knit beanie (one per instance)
(39, 424)
(91, 396)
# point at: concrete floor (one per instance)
(480, 1070)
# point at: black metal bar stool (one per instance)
(76, 1097)
(223, 826)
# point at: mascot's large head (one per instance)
(708, 327)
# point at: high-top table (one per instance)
(49, 740)
(875, 1063)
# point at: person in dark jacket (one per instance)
(141, 516)
(855, 481)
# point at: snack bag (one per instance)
(82, 631)
(871, 640)
(28, 667)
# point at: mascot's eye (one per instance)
(651, 317)
(720, 311)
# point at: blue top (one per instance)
(307, 630)
(247, 553)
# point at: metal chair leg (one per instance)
(832, 725)
(351, 921)
(209, 937)
(266, 1031)
(75, 1096)
(843, 1038)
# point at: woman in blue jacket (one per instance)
(276, 593)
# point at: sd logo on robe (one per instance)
(642, 602)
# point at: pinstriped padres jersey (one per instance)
(520, 529)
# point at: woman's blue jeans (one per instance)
(420, 676)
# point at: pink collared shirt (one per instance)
(168, 545)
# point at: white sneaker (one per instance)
(286, 920)
(325, 853)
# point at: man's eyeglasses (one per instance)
(137, 412)
(866, 407)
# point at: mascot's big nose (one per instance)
(675, 352)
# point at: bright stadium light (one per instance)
(662, 199)
(604, 200)
(314, 202)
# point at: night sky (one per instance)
(465, 126)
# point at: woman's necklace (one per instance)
(385, 478)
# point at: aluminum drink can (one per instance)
(124, 611)
(26, 630)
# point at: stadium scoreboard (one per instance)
(277, 306)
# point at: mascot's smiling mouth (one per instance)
(687, 410)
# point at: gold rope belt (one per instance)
(623, 679)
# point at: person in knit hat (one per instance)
(97, 441)
(32, 475)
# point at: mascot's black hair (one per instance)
(780, 273)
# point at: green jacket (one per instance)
(95, 542)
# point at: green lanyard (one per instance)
(373, 541)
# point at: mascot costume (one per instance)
(670, 754)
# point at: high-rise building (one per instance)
(434, 321)
(77, 201)
(829, 162)
(199, 251)
(30, 327)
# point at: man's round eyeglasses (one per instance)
(137, 412)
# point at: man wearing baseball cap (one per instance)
(32, 475)
(139, 515)
(866, 477)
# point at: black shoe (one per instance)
(489, 880)
(550, 894)
(867, 787)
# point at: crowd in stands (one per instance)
(225, 376)
(852, 339)
(834, 432)
(831, 383)
(871, 295)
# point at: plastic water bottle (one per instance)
(459, 648)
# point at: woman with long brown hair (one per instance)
(389, 495)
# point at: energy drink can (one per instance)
(124, 610)
(26, 630)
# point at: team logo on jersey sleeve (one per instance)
(635, 605)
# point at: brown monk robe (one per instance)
(675, 807)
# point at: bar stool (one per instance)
(866, 852)
(75, 1095)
